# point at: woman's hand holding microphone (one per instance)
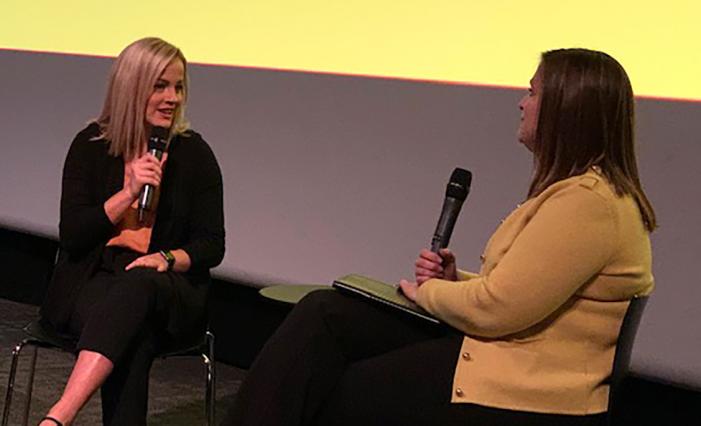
(430, 265)
(144, 170)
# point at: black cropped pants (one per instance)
(123, 316)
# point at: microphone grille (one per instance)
(158, 138)
(459, 184)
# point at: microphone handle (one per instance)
(146, 197)
(446, 223)
(436, 244)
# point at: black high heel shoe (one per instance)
(51, 419)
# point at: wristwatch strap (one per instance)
(168, 256)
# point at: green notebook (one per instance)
(380, 292)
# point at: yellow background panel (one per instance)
(484, 42)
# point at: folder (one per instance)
(383, 293)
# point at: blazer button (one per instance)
(459, 392)
(466, 356)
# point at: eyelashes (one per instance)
(162, 85)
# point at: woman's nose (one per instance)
(172, 95)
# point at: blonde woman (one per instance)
(127, 287)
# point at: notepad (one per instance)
(383, 293)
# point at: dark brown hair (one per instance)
(587, 119)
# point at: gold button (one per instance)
(482, 258)
(459, 392)
(466, 356)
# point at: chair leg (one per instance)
(11, 381)
(30, 385)
(210, 391)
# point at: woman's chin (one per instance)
(160, 122)
(527, 144)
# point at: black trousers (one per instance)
(338, 360)
(123, 316)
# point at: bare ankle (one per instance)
(58, 414)
(51, 421)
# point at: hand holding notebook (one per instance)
(380, 292)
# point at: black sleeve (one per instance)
(206, 214)
(83, 223)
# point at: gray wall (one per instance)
(326, 175)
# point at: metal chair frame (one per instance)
(41, 336)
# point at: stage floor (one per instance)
(176, 389)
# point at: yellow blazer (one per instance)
(542, 317)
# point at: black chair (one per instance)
(621, 360)
(42, 336)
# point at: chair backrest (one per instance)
(624, 349)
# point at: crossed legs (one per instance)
(116, 318)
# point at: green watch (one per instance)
(168, 256)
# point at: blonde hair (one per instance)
(131, 83)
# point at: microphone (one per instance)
(455, 194)
(156, 146)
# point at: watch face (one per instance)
(168, 256)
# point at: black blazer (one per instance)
(190, 216)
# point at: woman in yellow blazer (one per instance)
(534, 333)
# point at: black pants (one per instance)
(337, 360)
(123, 315)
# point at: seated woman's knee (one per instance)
(320, 298)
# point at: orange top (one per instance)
(131, 233)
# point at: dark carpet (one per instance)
(176, 389)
